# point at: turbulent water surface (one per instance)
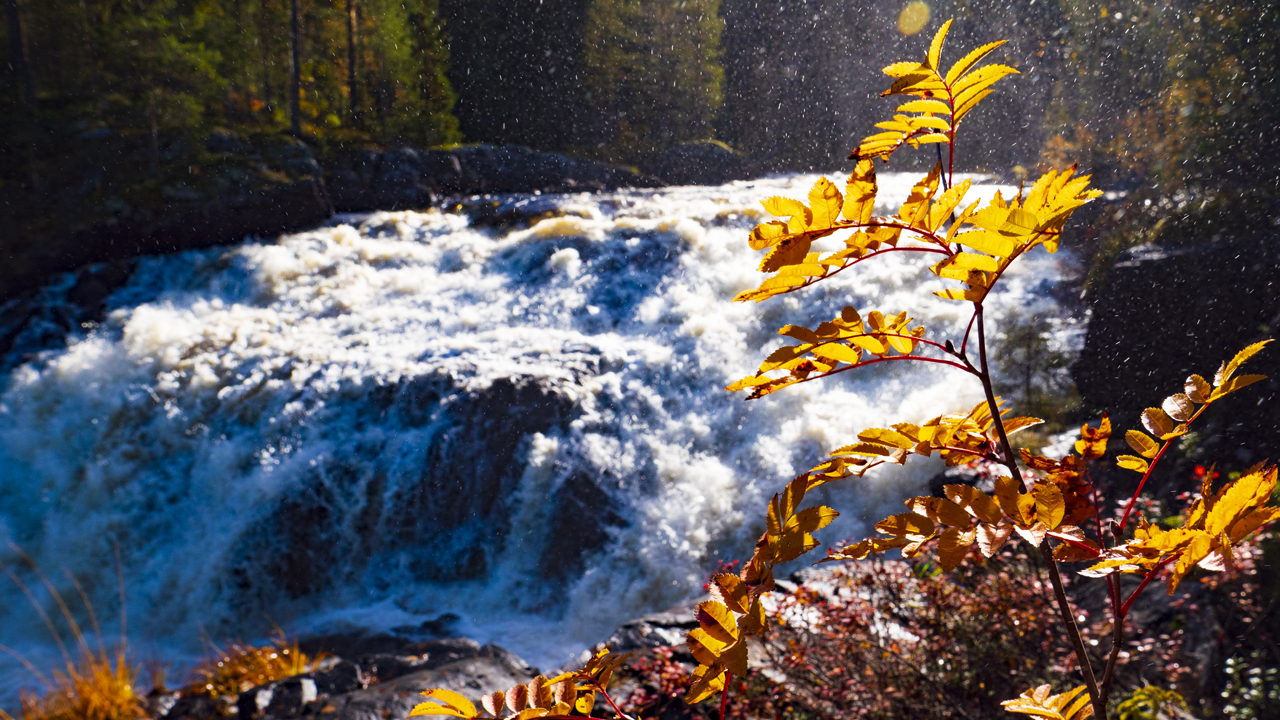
(514, 415)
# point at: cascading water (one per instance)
(405, 414)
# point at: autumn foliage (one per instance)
(1050, 504)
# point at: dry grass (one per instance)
(99, 686)
(241, 667)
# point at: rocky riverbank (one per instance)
(363, 676)
(218, 190)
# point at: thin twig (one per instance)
(1064, 605)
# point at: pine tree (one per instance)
(653, 72)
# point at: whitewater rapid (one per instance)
(511, 411)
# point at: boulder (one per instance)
(492, 669)
(1164, 313)
(367, 179)
(700, 163)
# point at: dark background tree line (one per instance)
(1155, 93)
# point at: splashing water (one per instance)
(405, 414)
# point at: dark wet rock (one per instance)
(654, 630)
(1164, 313)
(489, 671)
(214, 193)
(700, 163)
(193, 707)
(368, 179)
(379, 648)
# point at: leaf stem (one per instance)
(1068, 619)
(1128, 508)
(1064, 605)
(880, 360)
(612, 704)
(724, 693)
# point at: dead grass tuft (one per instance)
(241, 667)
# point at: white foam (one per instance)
(268, 373)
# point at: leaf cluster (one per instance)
(542, 697)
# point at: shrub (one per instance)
(1050, 503)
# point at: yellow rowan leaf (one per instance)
(729, 590)
(991, 537)
(1129, 462)
(885, 436)
(799, 217)
(734, 658)
(454, 705)
(707, 681)
(717, 621)
(1013, 425)
(1141, 443)
(935, 47)
(1074, 704)
(1229, 369)
(794, 544)
(1198, 389)
(860, 193)
(953, 545)
(767, 235)
(789, 251)
(1179, 407)
(968, 61)
(825, 203)
(958, 266)
(1008, 490)
(939, 510)
(1238, 498)
(565, 693)
(972, 295)
(754, 621)
(925, 106)
(812, 519)
(837, 352)
(1234, 384)
(973, 501)
(1198, 549)
(903, 69)
(1068, 552)
(1157, 422)
(586, 702)
(773, 286)
(540, 692)
(908, 525)
(870, 344)
(517, 698)
(988, 242)
(493, 702)
(1245, 526)
(1050, 505)
(703, 646)
(530, 714)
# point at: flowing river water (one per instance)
(515, 416)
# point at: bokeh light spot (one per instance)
(913, 18)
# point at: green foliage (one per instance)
(1148, 703)
(652, 66)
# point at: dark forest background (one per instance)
(1142, 92)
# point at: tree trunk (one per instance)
(295, 67)
(154, 131)
(353, 67)
(19, 62)
(265, 52)
(18, 54)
